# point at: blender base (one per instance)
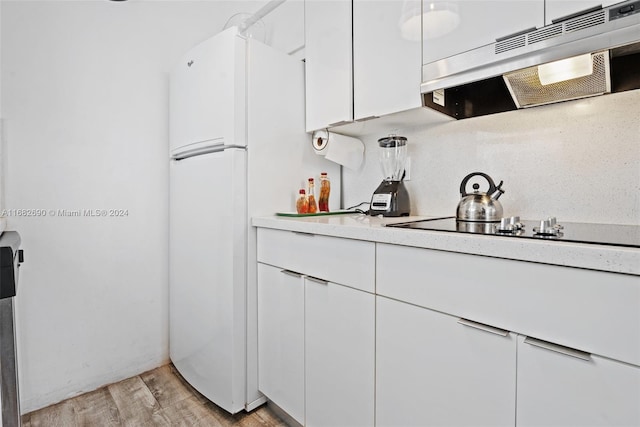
(391, 198)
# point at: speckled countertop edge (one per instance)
(361, 227)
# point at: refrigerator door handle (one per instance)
(202, 147)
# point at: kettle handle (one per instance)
(463, 184)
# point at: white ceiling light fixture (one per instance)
(437, 19)
(565, 69)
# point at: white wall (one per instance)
(578, 161)
(84, 94)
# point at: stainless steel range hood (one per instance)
(504, 75)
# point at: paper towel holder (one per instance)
(342, 149)
(319, 141)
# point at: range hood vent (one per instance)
(536, 36)
(526, 90)
(504, 76)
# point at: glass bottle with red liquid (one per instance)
(302, 204)
(311, 197)
(325, 189)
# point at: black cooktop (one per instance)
(601, 234)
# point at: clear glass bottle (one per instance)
(311, 196)
(325, 190)
(302, 204)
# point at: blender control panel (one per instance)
(380, 202)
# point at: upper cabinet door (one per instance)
(386, 57)
(556, 9)
(207, 93)
(455, 26)
(328, 70)
(285, 27)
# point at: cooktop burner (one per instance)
(601, 234)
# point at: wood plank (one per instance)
(59, 415)
(192, 391)
(96, 408)
(25, 420)
(135, 402)
(165, 386)
(164, 399)
(268, 418)
(187, 413)
(261, 417)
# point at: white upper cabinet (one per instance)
(455, 26)
(328, 70)
(361, 61)
(386, 57)
(285, 27)
(555, 9)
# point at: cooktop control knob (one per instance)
(548, 227)
(510, 225)
(554, 223)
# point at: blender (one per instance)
(391, 198)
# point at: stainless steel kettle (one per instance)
(477, 206)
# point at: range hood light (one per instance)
(565, 69)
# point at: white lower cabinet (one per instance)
(281, 338)
(561, 387)
(316, 327)
(339, 355)
(433, 370)
(424, 342)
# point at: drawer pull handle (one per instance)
(364, 119)
(567, 351)
(483, 327)
(340, 123)
(300, 233)
(291, 273)
(319, 281)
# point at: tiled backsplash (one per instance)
(578, 161)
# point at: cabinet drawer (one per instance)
(343, 261)
(433, 371)
(573, 391)
(593, 311)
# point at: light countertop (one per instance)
(361, 227)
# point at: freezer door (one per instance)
(207, 274)
(207, 93)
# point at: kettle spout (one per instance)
(499, 192)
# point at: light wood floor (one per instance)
(160, 397)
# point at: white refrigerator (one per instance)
(237, 149)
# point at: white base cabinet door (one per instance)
(339, 352)
(433, 371)
(556, 388)
(281, 338)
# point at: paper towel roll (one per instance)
(344, 150)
